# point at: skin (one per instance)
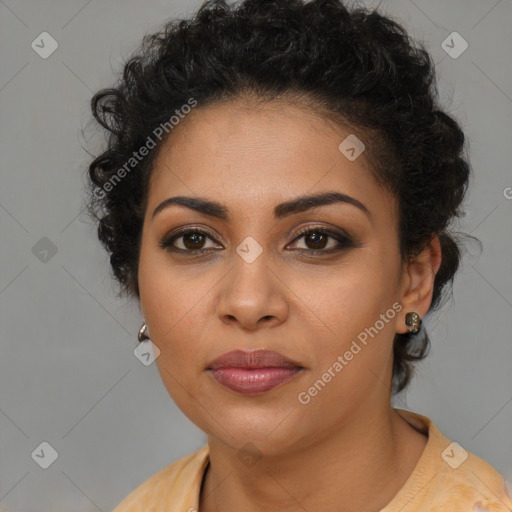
(347, 445)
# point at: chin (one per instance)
(271, 434)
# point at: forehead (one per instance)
(259, 155)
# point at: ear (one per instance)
(417, 284)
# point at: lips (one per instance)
(253, 359)
(253, 372)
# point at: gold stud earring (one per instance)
(413, 320)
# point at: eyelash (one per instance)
(344, 241)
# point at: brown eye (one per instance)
(317, 239)
(187, 241)
(193, 241)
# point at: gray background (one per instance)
(68, 373)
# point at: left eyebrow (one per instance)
(282, 210)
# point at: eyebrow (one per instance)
(282, 210)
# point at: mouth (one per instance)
(255, 372)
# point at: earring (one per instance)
(142, 336)
(413, 321)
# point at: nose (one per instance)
(253, 296)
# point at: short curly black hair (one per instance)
(353, 65)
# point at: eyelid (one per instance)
(331, 231)
(167, 240)
(343, 238)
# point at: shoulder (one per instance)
(449, 477)
(474, 483)
(176, 485)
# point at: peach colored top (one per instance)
(446, 478)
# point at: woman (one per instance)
(276, 192)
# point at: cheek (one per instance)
(174, 315)
(357, 319)
(352, 296)
(174, 307)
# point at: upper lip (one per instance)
(252, 359)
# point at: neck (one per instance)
(361, 465)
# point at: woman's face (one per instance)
(256, 283)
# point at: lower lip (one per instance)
(250, 381)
